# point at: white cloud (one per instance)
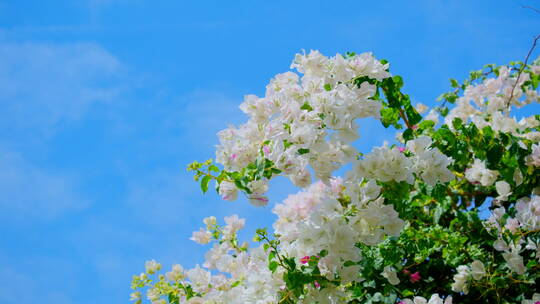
(29, 192)
(162, 198)
(43, 86)
(47, 282)
(201, 114)
(16, 286)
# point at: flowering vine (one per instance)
(450, 213)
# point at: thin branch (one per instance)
(522, 68)
(402, 115)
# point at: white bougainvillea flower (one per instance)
(503, 189)
(152, 266)
(201, 236)
(461, 279)
(390, 274)
(477, 270)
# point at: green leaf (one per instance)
(260, 168)
(328, 87)
(408, 134)
(349, 263)
(173, 299)
(271, 255)
(287, 127)
(242, 185)
(407, 293)
(204, 183)
(389, 117)
(302, 151)
(291, 263)
(494, 155)
(286, 144)
(213, 168)
(398, 81)
(451, 97)
(412, 115)
(306, 106)
(426, 124)
(358, 81)
(272, 266)
(457, 123)
(391, 91)
(443, 111)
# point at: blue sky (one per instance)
(104, 102)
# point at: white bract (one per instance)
(434, 299)
(478, 270)
(304, 121)
(390, 274)
(478, 173)
(461, 279)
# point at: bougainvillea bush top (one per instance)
(448, 214)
